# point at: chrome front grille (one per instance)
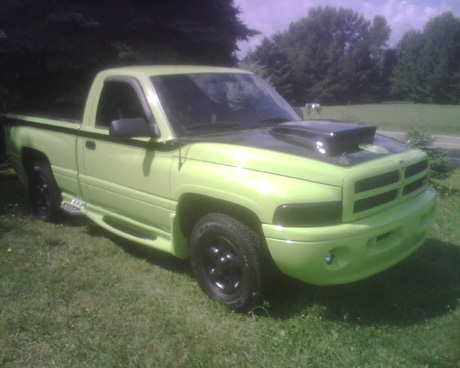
(374, 190)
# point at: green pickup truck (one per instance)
(212, 164)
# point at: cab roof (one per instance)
(153, 70)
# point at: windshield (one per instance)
(213, 103)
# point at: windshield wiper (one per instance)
(276, 120)
(210, 125)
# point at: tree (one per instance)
(278, 68)
(381, 58)
(332, 55)
(255, 68)
(428, 69)
(48, 46)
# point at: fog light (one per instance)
(329, 257)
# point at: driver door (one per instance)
(125, 176)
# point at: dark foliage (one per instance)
(50, 50)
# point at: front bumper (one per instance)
(361, 249)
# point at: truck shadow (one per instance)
(424, 286)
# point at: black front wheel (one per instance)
(44, 193)
(225, 259)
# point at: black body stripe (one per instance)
(258, 138)
(155, 146)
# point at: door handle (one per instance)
(91, 145)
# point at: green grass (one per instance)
(440, 119)
(72, 295)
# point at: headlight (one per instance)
(308, 214)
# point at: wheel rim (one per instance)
(42, 199)
(222, 265)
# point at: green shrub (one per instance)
(420, 137)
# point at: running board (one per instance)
(173, 242)
(138, 232)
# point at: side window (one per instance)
(118, 101)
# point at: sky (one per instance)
(272, 16)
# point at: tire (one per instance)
(45, 197)
(225, 258)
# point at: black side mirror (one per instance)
(299, 112)
(136, 127)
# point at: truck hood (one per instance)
(321, 151)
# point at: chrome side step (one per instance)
(71, 210)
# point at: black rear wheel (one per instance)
(225, 259)
(44, 193)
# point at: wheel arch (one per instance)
(44, 194)
(30, 156)
(192, 207)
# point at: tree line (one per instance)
(50, 50)
(336, 56)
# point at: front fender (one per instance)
(259, 192)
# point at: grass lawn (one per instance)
(72, 295)
(440, 119)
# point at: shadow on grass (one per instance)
(424, 286)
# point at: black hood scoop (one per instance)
(339, 143)
(326, 137)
